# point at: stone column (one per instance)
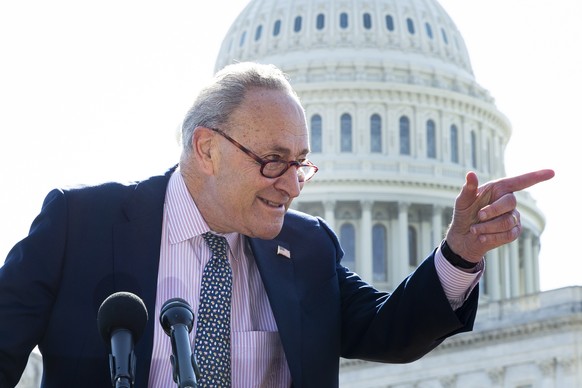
(536, 265)
(528, 263)
(514, 268)
(393, 250)
(402, 259)
(492, 275)
(437, 224)
(506, 272)
(365, 266)
(329, 207)
(426, 244)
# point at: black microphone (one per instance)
(177, 319)
(121, 319)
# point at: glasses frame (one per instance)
(263, 162)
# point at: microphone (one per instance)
(121, 319)
(177, 319)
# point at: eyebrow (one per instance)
(287, 151)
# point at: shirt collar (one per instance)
(184, 219)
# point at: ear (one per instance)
(203, 147)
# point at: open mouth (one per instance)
(272, 204)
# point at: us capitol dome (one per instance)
(396, 120)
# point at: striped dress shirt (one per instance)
(258, 359)
(257, 355)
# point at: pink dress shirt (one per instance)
(258, 359)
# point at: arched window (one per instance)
(320, 21)
(404, 126)
(367, 21)
(488, 161)
(375, 133)
(456, 43)
(444, 34)
(454, 144)
(428, 30)
(430, 139)
(277, 28)
(242, 38)
(346, 133)
(410, 25)
(316, 136)
(343, 20)
(348, 242)
(389, 22)
(412, 247)
(297, 24)
(258, 32)
(379, 250)
(473, 149)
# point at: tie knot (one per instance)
(217, 244)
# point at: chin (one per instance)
(268, 233)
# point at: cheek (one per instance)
(237, 187)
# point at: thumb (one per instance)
(468, 193)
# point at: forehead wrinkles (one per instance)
(299, 142)
(270, 106)
(288, 143)
(273, 120)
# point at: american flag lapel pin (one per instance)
(283, 251)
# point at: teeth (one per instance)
(271, 203)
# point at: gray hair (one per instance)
(216, 102)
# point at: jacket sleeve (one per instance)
(29, 282)
(401, 326)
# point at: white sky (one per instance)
(94, 91)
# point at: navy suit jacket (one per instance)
(90, 242)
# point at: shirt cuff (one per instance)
(457, 284)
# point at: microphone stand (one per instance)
(177, 319)
(122, 371)
(182, 379)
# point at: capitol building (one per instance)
(396, 120)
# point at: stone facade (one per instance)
(396, 119)
(527, 342)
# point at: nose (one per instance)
(289, 182)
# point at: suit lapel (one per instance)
(136, 258)
(278, 275)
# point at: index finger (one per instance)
(521, 182)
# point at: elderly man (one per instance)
(216, 231)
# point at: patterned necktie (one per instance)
(212, 346)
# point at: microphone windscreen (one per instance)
(122, 310)
(176, 311)
(174, 302)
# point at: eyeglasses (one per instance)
(274, 168)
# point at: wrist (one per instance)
(455, 259)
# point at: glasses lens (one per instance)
(305, 173)
(275, 168)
